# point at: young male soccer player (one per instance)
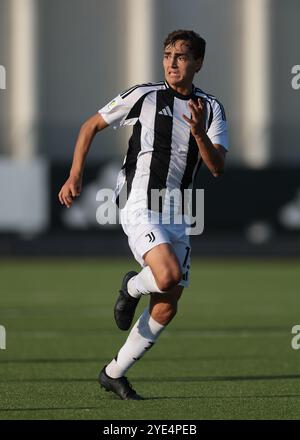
(176, 127)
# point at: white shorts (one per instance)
(145, 230)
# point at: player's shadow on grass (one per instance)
(115, 398)
(217, 378)
(52, 361)
(49, 409)
(282, 396)
(103, 360)
(162, 380)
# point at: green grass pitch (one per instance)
(226, 355)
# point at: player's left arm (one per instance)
(213, 154)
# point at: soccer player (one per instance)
(176, 127)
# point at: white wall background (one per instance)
(89, 50)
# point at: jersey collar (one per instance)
(179, 95)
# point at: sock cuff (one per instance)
(148, 327)
(154, 325)
(150, 274)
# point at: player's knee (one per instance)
(168, 279)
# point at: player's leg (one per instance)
(142, 337)
(146, 331)
(163, 306)
(147, 241)
(164, 265)
(162, 272)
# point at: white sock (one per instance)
(142, 337)
(143, 283)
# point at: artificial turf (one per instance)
(226, 355)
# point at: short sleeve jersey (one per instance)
(162, 153)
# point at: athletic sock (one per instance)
(143, 283)
(141, 338)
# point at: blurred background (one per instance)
(62, 60)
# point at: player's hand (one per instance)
(197, 121)
(70, 190)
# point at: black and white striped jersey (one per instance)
(162, 153)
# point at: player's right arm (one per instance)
(116, 113)
(72, 186)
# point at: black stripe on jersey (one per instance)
(161, 154)
(198, 167)
(208, 106)
(130, 164)
(191, 161)
(211, 115)
(213, 98)
(136, 109)
(190, 171)
(132, 89)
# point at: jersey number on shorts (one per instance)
(186, 274)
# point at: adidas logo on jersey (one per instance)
(166, 111)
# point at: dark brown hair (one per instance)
(197, 44)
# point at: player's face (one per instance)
(180, 65)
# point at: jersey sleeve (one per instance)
(118, 112)
(218, 131)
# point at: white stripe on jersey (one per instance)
(117, 110)
(179, 145)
